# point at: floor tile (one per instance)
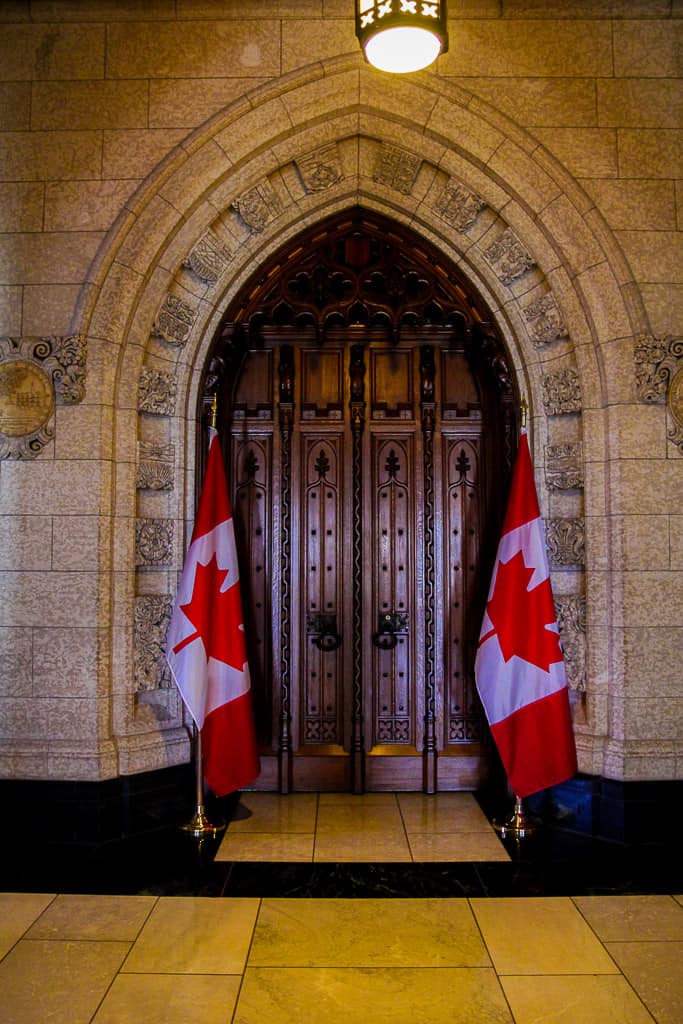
(572, 999)
(18, 911)
(361, 817)
(367, 933)
(59, 982)
(93, 917)
(458, 846)
(638, 918)
(271, 812)
(169, 999)
(357, 799)
(194, 935)
(262, 846)
(539, 936)
(356, 846)
(355, 996)
(442, 812)
(654, 969)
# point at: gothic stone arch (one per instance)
(459, 174)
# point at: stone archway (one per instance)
(460, 175)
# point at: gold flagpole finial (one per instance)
(214, 411)
(523, 405)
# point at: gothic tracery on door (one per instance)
(367, 446)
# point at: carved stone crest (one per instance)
(321, 169)
(153, 541)
(155, 466)
(561, 392)
(152, 617)
(157, 392)
(258, 206)
(174, 320)
(208, 259)
(571, 620)
(563, 466)
(565, 540)
(458, 206)
(396, 168)
(545, 321)
(508, 258)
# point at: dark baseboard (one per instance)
(137, 805)
(626, 812)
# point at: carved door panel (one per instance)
(357, 485)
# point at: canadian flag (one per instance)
(205, 644)
(519, 668)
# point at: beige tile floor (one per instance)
(375, 827)
(71, 959)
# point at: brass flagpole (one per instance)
(517, 825)
(199, 825)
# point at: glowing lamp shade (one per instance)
(401, 35)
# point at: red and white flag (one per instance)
(205, 645)
(519, 668)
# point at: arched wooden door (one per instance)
(364, 466)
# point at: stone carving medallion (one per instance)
(675, 408)
(155, 466)
(396, 168)
(35, 375)
(508, 258)
(563, 467)
(157, 392)
(321, 169)
(565, 540)
(458, 206)
(545, 321)
(208, 259)
(26, 399)
(561, 392)
(153, 541)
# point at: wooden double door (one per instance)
(360, 472)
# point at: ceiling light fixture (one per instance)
(401, 35)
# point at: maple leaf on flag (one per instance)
(520, 616)
(216, 616)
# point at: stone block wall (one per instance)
(99, 101)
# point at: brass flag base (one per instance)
(517, 826)
(200, 826)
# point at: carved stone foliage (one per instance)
(157, 392)
(258, 206)
(156, 463)
(37, 373)
(561, 392)
(152, 617)
(566, 543)
(153, 541)
(657, 360)
(545, 321)
(208, 259)
(174, 320)
(320, 169)
(659, 377)
(564, 466)
(396, 168)
(571, 619)
(508, 258)
(458, 206)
